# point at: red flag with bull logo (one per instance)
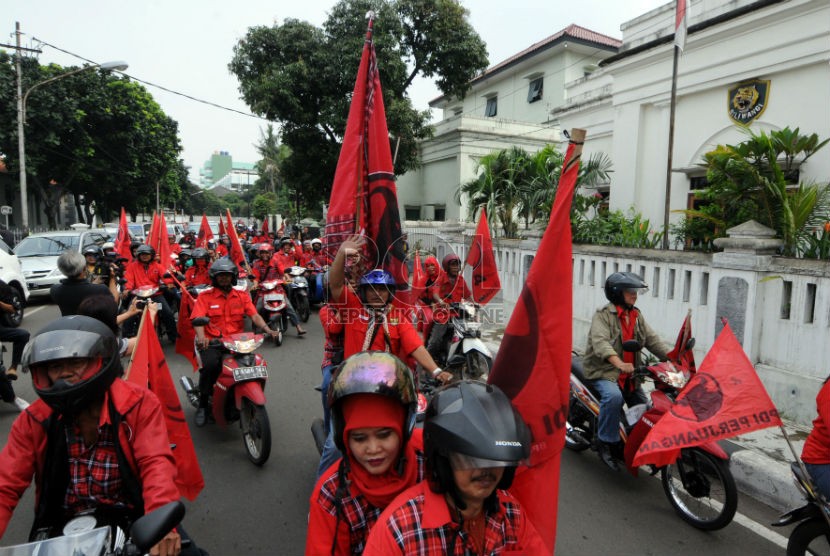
(205, 233)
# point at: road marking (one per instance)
(35, 310)
(760, 530)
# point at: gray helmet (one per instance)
(144, 249)
(618, 282)
(223, 266)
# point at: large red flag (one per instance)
(363, 195)
(724, 398)
(122, 238)
(186, 333)
(152, 237)
(419, 278)
(265, 229)
(222, 231)
(482, 259)
(148, 368)
(163, 247)
(235, 250)
(533, 363)
(205, 233)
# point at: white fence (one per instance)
(779, 308)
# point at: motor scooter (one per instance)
(467, 355)
(698, 484)
(297, 288)
(83, 535)
(273, 307)
(812, 534)
(239, 392)
(316, 285)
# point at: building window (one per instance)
(440, 214)
(412, 213)
(534, 90)
(492, 107)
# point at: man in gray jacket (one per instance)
(605, 359)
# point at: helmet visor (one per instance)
(636, 291)
(460, 462)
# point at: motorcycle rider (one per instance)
(144, 271)
(285, 258)
(451, 288)
(197, 275)
(373, 404)
(318, 257)
(226, 307)
(267, 268)
(605, 363)
(816, 451)
(92, 254)
(86, 420)
(474, 439)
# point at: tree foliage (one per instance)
(302, 76)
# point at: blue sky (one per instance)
(185, 46)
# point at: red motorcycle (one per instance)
(699, 484)
(239, 392)
(273, 307)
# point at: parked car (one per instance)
(11, 273)
(38, 254)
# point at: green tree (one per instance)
(302, 76)
(263, 205)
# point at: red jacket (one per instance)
(817, 447)
(283, 260)
(197, 276)
(226, 311)
(142, 435)
(138, 275)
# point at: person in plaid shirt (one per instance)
(93, 442)
(373, 404)
(473, 439)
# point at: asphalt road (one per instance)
(245, 509)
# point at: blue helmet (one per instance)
(378, 277)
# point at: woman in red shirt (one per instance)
(816, 451)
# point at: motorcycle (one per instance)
(82, 536)
(699, 484)
(239, 392)
(298, 292)
(273, 307)
(812, 534)
(314, 277)
(145, 295)
(467, 355)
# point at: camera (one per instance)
(140, 304)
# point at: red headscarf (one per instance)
(373, 410)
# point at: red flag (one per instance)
(186, 333)
(163, 247)
(235, 251)
(122, 238)
(482, 260)
(205, 233)
(363, 195)
(681, 24)
(533, 363)
(680, 354)
(152, 237)
(281, 231)
(148, 368)
(222, 231)
(724, 398)
(419, 278)
(265, 229)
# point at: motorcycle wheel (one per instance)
(809, 537)
(303, 308)
(256, 431)
(701, 489)
(478, 365)
(278, 338)
(13, 320)
(579, 427)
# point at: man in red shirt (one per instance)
(145, 272)
(197, 275)
(450, 288)
(226, 308)
(285, 258)
(266, 268)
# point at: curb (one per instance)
(765, 479)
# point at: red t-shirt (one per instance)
(817, 447)
(226, 311)
(196, 276)
(139, 275)
(283, 260)
(403, 338)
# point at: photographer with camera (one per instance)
(73, 289)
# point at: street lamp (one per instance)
(21, 122)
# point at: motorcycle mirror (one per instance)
(149, 529)
(690, 343)
(632, 345)
(200, 321)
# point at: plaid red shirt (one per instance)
(333, 330)
(94, 476)
(418, 523)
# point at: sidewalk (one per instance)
(760, 461)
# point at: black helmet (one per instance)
(618, 282)
(200, 253)
(222, 266)
(372, 372)
(93, 250)
(452, 257)
(144, 249)
(286, 241)
(185, 252)
(478, 421)
(72, 337)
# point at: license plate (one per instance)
(274, 297)
(250, 373)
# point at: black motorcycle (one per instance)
(812, 534)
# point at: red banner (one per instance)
(724, 398)
(222, 231)
(235, 250)
(122, 238)
(186, 333)
(148, 368)
(265, 229)
(533, 363)
(205, 233)
(364, 198)
(481, 258)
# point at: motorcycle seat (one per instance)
(577, 371)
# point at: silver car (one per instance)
(38, 254)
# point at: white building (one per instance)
(507, 105)
(777, 49)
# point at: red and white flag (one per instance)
(149, 369)
(122, 238)
(364, 198)
(481, 258)
(724, 398)
(680, 24)
(533, 363)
